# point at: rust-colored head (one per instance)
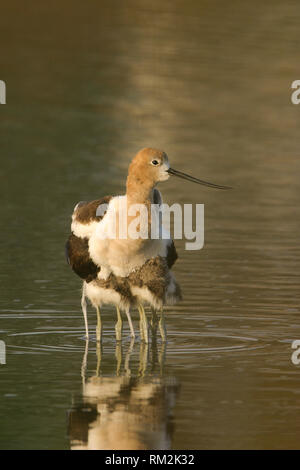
(150, 166)
(147, 168)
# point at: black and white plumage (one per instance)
(152, 283)
(99, 291)
(126, 272)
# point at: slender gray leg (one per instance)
(99, 326)
(99, 358)
(119, 326)
(146, 327)
(141, 322)
(130, 324)
(144, 324)
(84, 311)
(162, 326)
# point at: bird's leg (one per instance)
(99, 357)
(99, 325)
(119, 326)
(130, 324)
(84, 311)
(162, 326)
(146, 339)
(145, 324)
(141, 322)
(153, 322)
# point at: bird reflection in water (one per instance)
(126, 411)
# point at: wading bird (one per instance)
(127, 271)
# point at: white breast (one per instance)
(120, 256)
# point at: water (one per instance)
(208, 82)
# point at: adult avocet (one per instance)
(126, 271)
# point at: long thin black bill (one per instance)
(184, 176)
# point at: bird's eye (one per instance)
(154, 162)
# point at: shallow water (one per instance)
(209, 82)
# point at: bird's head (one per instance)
(150, 166)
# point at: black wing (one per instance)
(171, 255)
(77, 253)
(77, 248)
(171, 250)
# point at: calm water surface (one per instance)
(87, 86)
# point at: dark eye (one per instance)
(154, 162)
